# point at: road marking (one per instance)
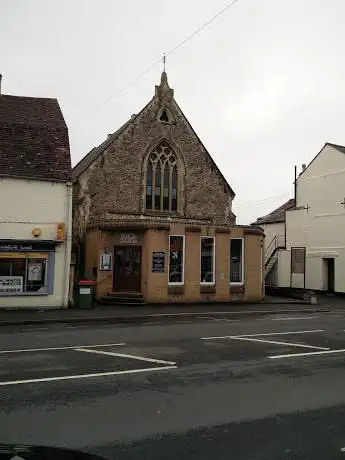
(184, 322)
(27, 350)
(279, 343)
(295, 318)
(263, 335)
(30, 328)
(225, 320)
(150, 323)
(296, 355)
(123, 355)
(209, 318)
(86, 376)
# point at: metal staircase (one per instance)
(271, 252)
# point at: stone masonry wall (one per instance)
(114, 183)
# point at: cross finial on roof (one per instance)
(164, 61)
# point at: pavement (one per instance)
(130, 314)
(266, 386)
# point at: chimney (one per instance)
(303, 166)
(0, 83)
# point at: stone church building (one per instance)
(152, 216)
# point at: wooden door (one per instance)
(330, 275)
(127, 268)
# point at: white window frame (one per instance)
(177, 283)
(209, 283)
(237, 283)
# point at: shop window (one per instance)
(207, 260)
(176, 259)
(23, 274)
(236, 260)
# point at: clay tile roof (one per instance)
(33, 139)
(277, 215)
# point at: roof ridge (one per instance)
(29, 97)
(277, 215)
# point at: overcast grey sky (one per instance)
(263, 85)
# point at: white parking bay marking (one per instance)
(28, 350)
(310, 353)
(296, 318)
(86, 376)
(274, 342)
(123, 355)
(263, 335)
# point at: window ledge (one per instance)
(207, 288)
(159, 212)
(22, 294)
(176, 289)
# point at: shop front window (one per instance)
(207, 260)
(236, 261)
(23, 274)
(176, 259)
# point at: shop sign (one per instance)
(128, 238)
(17, 246)
(158, 259)
(11, 284)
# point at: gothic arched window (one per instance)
(162, 179)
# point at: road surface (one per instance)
(258, 387)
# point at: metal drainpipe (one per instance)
(68, 243)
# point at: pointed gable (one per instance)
(115, 175)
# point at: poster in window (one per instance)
(11, 284)
(158, 260)
(206, 260)
(35, 271)
(106, 262)
(176, 259)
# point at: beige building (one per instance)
(35, 205)
(307, 248)
(153, 217)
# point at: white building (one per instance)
(306, 248)
(35, 204)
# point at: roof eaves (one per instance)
(35, 178)
(341, 148)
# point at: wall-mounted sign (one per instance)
(60, 231)
(105, 262)
(36, 232)
(11, 284)
(158, 259)
(129, 238)
(15, 246)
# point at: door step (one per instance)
(122, 298)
